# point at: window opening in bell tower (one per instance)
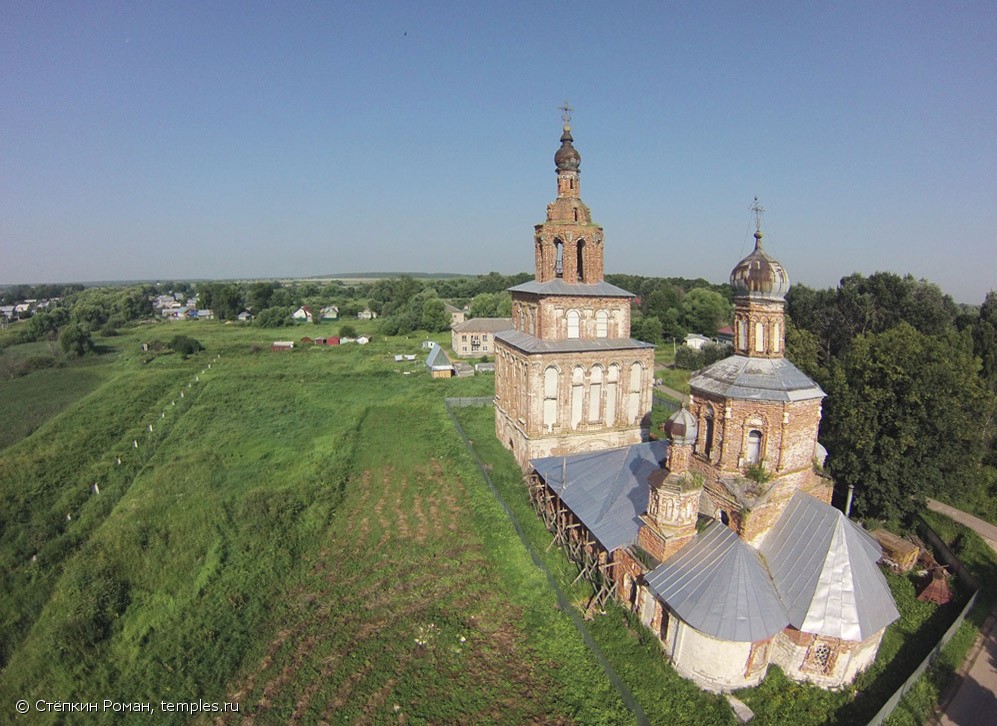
(580, 258)
(559, 259)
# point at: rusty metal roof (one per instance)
(719, 586)
(607, 490)
(762, 379)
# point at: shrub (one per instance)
(185, 345)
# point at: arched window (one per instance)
(550, 396)
(580, 258)
(612, 391)
(708, 431)
(577, 395)
(595, 394)
(742, 336)
(573, 323)
(601, 324)
(633, 400)
(759, 338)
(775, 337)
(753, 451)
(559, 258)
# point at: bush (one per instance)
(185, 345)
(691, 359)
(75, 339)
(347, 331)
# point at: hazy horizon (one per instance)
(191, 141)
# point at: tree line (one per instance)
(910, 378)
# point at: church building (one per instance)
(568, 376)
(722, 539)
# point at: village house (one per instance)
(696, 341)
(722, 538)
(303, 314)
(366, 314)
(476, 337)
(457, 315)
(330, 312)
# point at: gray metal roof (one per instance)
(719, 586)
(532, 344)
(763, 379)
(824, 566)
(607, 490)
(437, 358)
(560, 287)
(484, 325)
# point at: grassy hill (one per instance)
(302, 533)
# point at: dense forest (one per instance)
(910, 375)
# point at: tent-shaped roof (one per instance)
(719, 586)
(755, 379)
(824, 566)
(437, 358)
(606, 490)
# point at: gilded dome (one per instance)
(567, 157)
(759, 276)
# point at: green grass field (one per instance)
(302, 533)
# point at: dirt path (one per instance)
(975, 698)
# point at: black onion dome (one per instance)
(759, 276)
(567, 157)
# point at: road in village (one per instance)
(975, 699)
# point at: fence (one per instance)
(947, 556)
(469, 402)
(666, 403)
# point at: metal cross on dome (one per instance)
(566, 112)
(758, 210)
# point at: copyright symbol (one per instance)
(22, 706)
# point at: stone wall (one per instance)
(547, 317)
(825, 662)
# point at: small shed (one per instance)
(439, 364)
(332, 340)
(282, 345)
(896, 550)
(463, 370)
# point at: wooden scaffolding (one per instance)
(594, 563)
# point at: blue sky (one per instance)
(238, 140)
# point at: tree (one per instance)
(435, 317)
(485, 305)
(274, 317)
(705, 310)
(647, 329)
(906, 417)
(985, 339)
(347, 331)
(75, 340)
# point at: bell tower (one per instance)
(568, 376)
(568, 244)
